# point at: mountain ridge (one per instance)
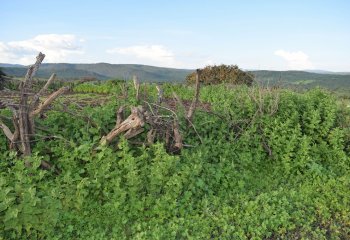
(146, 73)
(102, 71)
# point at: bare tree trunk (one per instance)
(24, 131)
(25, 126)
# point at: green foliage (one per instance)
(109, 87)
(28, 207)
(2, 78)
(222, 74)
(304, 80)
(263, 171)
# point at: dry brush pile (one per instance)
(161, 119)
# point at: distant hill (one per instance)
(103, 71)
(64, 73)
(302, 79)
(2, 65)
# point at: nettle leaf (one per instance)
(11, 213)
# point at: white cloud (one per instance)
(295, 60)
(148, 54)
(56, 47)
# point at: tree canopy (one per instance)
(2, 78)
(222, 74)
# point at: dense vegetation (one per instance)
(217, 74)
(2, 78)
(262, 164)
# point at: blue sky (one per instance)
(268, 34)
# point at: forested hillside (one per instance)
(104, 71)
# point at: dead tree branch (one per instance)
(137, 87)
(120, 116)
(36, 97)
(134, 121)
(160, 93)
(49, 100)
(6, 131)
(26, 110)
(196, 97)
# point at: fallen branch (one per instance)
(49, 100)
(134, 121)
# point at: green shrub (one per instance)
(222, 74)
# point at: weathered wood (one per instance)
(6, 131)
(32, 71)
(137, 87)
(151, 135)
(133, 132)
(49, 100)
(160, 94)
(35, 100)
(167, 137)
(120, 116)
(196, 97)
(16, 135)
(134, 121)
(24, 124)
(177, 136)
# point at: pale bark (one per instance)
(195, 99)
(134, 121)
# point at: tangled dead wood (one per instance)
(161, 120)
(27, 109)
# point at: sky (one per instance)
(253, 34)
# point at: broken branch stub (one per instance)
(177, 136)
(120, 116)
(195, 99)
(160, 93)
(134, 121)
(137, 87)
(32, 71)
